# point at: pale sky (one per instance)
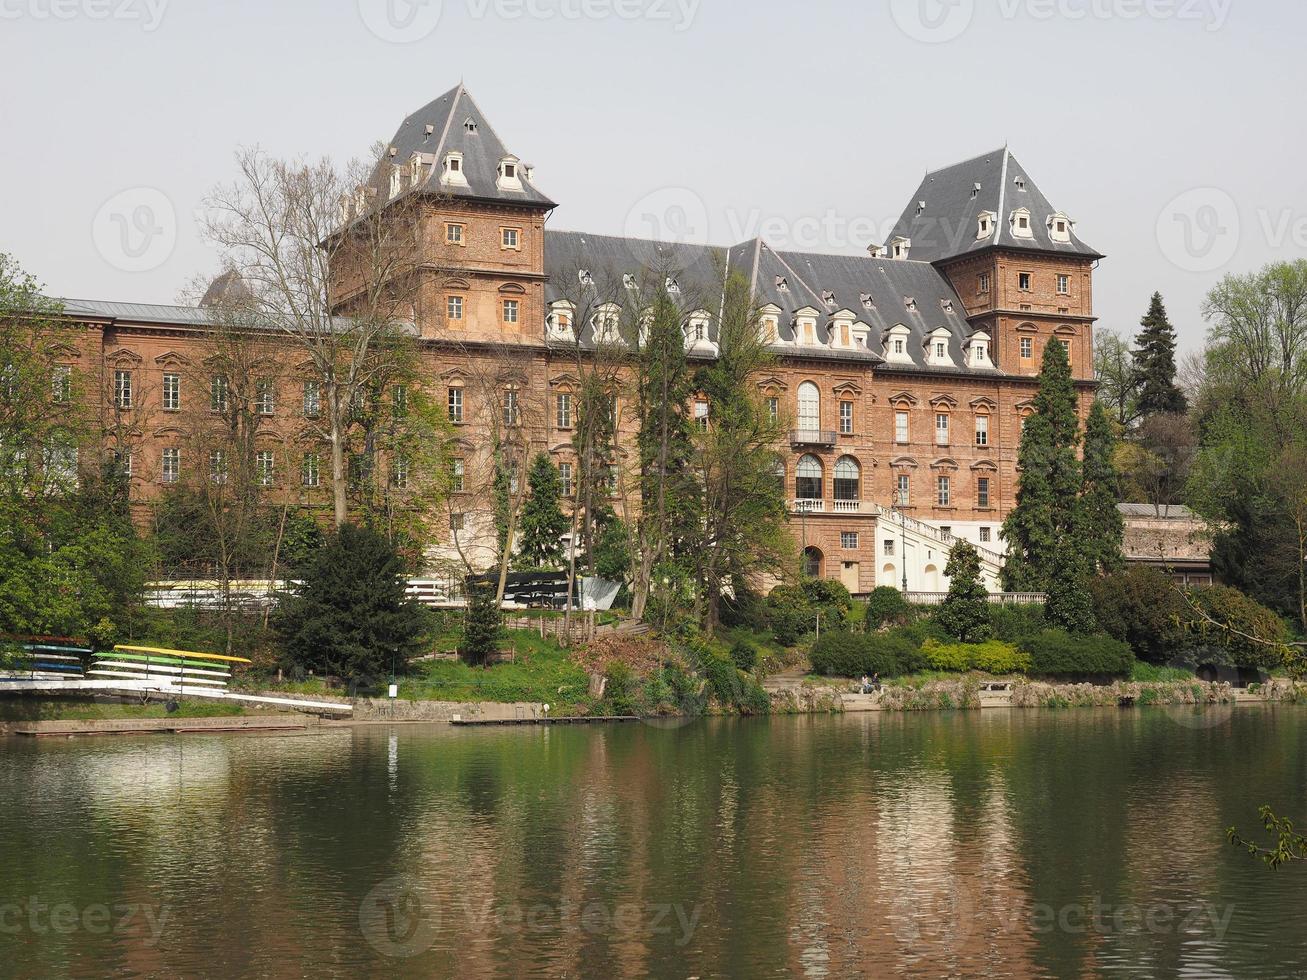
(1170, 130)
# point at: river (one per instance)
(1005, 844)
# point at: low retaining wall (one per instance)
(127, 726)
(384, 709)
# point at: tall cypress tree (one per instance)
(543, 521)
(1154, 362)
(1042, 522)
(965, 611)
(1103, 528)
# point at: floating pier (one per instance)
(577, 720)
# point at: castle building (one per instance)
(903, 374)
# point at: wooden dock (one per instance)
(577, 720)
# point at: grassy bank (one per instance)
(67, 709)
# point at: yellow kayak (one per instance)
(182, 653)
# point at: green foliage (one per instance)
(1288, 844)
(744, 655)
(1013, 622)
(351, 617)
(612, 556)
(1057, 653)
(1143, 607)
(964, 614)
(1152, 674)
(1154, 362)
(542, 523)
(728, 685)
(886, 606)
(992, 656)
(792, 610)
(1103, 528)
(1069, 605)
(1240, 623)
(622, 689)
(482, 625)
(843, 654)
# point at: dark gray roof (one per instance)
(1170, 512)
(946, 226)
(457, 124)
(874, 291)
(157, 313)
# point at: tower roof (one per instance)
(942, 219)
(454, 123)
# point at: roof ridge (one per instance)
(444, 134)
(978, 156)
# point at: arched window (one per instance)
(847, 473)
(807, 478)
(812, 562)
(809, 406)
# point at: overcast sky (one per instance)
(1170, 130)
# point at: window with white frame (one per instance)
(61, 384)
(454, 307)
(565, 476)
(1027, 348)
(510, 238)
(1064, 284)
(848, 478)
(310, 475)
(982, 500)
(982, 430)
(809, 406)
(264, 464)
(849, 540)
(454, 404)
(218, 465)
(454, 233)
(456, 475)
(218, 393)
(312, 399)
(941, 428)
(510, 310)
(701, 414)
(399, 473)
(122, 461)
(511, 414)
(171, 466)
(773, 409)
(887, 547)
(984, 535)
(901, 426)
(265, 396)
(172, 392)
(122, 389)
(846, 418)
(563, 410)
(807, 478)
(903, 488)
(1023, 281)
(456, 522)
(982, 283)
(942, 485)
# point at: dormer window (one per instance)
(921, 207)
(508, 175)
(469, 124)
(415, 164)
(584, 278)
(978, 350)
(1021, 223)
(828, 297)
(899, 247)
(559, 321)
(1059, 227)
(975, 190)
(986, 221)
(947, 305)
(910, 304)
(768, 330)
(896, 344)
(628, 280)
(782, 284)
(805, 325)
(865, 299)
(672, 285)
(453, 172)
(396, 181)
(940, 349)
(1020, 182)
(605, 323)
(875, 250)
(937, 344)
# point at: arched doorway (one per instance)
(812, 562)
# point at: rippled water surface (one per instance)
(1005, 844)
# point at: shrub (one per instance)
(992, 656)
(1236, 613)
(792, 610)
(1014, 623)
(744, 655)
(621, 689)
(842, 654)
(946, 656)
(1142, 607)
(1056, 653)
(886, 606)
(828, 594)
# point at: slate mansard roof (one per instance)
(940, 220)
(875, 292)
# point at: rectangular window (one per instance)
(701, 415)
(399, 473)
(1064, 284)
(454, 233)
(454, 307)
(310, 476)
(612, 477)
(563, 410)
(122, 389)
(1023, 281)
(846, 418)
(773, 409)
(984, 535)
(172, 465)
(217, 466)
(122, 460)
(399, 401)
(848, 539)
(941, 428)
(982, 283)
(982, 430)
(217, 394)
(1027, 348)
(265, 396)
(904, 489)
(455, 405)
(456, 522)
(901, 427)
(264, 465)
(1066, 346)
(511, 414)
(456, 476)
(510, 237)
(61, 384)
(312, 399)
(942, 491)
(982, 500)
(565, 477)
(889, 547)
(510, 311)
(172, 392)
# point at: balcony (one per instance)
(847, 506)
(812, 437)
(809, 506)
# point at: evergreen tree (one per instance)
(1042, 521)
(482, 625)
(1069, 604)
(964, 613)
(1103, 527)
(543, 523)
(352, 616)
(1154, 363)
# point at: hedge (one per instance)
(992, 656)
(1055, 653)
(843, 654)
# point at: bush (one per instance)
(1014, 623)
(886, 606)
(828, 594)
(992, 656)
(621, 689)
(744, 655)
(1142, 607)
(792, 610)
(728, 685)
(946, 656)
(1233, 611)
(841, 654)
(1056, 653)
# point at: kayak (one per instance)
(182, 653)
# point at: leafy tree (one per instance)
(482, 624)
(1118, 385)
(1154, 362)
(1069, 605)
(611, 557)
(543, 522)
(964, 614)
(1104, 528)
(351, 616)
(1040, 528)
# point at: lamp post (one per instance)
(903, 543)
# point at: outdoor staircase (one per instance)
(927, 538)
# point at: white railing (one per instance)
(809, 506)
(929, 531)
(847, 506)
(998, 598)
